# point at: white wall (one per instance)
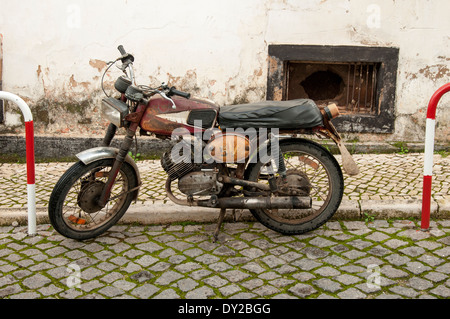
(54, 51)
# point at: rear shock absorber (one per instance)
(277, 156)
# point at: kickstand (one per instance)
(219, 224)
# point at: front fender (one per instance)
(103, 152)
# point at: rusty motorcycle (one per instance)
(251, 156)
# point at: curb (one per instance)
(57, 147)
(163, 212)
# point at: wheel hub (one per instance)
(299, 182)
(89, 195)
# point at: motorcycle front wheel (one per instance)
(312, 171)
(73, 209)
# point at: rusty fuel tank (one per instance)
(161, 119)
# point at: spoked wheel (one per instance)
(73, 208)
(311, 171)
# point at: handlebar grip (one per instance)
(126, 57)
(174, 91)
(122, 50)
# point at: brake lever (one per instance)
(168, 99)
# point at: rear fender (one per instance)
(100, 153)
(348, 163)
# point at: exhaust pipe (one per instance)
(283, 202)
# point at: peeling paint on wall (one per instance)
(436, 72)
(73, 84)
(187, 83)
(98, 64)
(216, 50)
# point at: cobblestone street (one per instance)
(380, 253)
(382, 177)
(350, 259)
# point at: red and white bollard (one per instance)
(429, 151)
(29, 138)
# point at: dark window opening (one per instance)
(360, 80)
(323, 85)
(352, 86)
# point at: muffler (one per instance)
(283, 202)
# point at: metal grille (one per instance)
(352, 86)
(361, 88)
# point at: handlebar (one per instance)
(173, 91)
(122, 50)
(128, 59)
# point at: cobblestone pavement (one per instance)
(374, 259)
(382, 177)
(343, 259)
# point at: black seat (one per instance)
(293, 114)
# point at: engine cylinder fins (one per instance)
(177, 169)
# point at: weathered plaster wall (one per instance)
(56, 51)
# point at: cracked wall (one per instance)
(55, 52)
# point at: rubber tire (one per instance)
(337, 181)
(63, 186)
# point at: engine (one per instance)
(200, 183)
(193, 179)
(179, 168)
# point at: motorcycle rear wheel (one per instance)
(319, 175)
(73, 209)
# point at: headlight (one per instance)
(114, 111)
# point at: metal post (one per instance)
(429, 151)
(2, 109)
(29, 138)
